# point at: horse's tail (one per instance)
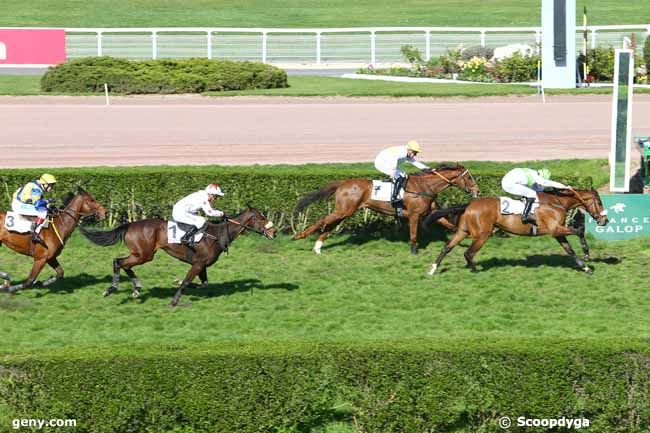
(321, 194)
(105, 238)
(440, 213)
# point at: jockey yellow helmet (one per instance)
(414, 146)
(545, 173)
(214, 189)
(47, 179)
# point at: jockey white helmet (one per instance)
(214, 189)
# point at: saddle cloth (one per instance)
(17, 223)
(381, 191)
(176, 230)
(511, 206)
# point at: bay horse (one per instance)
(479, 217)
(63, 222)
(144, 238)
(420, 192)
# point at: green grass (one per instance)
(363, 288)
(302, 13)
(330, 86)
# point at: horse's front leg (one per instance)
(414, 222)
(569, 250)
(54, 264)
(580, 227)
(193, 272)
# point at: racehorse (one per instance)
(62, 224)
(479, 217)
(144, 238)
(419, 199)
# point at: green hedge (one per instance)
(415, 386)
(160, 76)
(142, 192)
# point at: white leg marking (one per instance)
(318, 246)
(433, 269)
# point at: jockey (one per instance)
(527, 183)
(28, 201)
(388, 159)
(185, 211)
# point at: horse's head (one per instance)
(593, 205)
(256, 221)
(87, 205)
(461, 177)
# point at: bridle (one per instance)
(459, 176)
(586, 205)
(264, 232)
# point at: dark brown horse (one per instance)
(144, 238)
(419, 199)
(481, 216)
(63, 222)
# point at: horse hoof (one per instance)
(136, 293)
(109, 291)
(587, 257)
(588, 270)
(433, 269)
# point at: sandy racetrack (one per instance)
(82, 131)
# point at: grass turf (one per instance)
(363, 287)
(302, 13)
(331, 86)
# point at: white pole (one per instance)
(209, 44)
(483, 38)
(99, 44)
(373, 53)
(427, 45)
(264, 38)
(106, 93)
(318, 48)
(154, 45)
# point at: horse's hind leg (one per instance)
(477, 243)
(137, 285)
(54, 264)
(567, 247)
(36, 269)
(127, 263)
(195, 270)
(459, 236)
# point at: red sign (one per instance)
(32, 46)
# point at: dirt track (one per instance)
(82, 131)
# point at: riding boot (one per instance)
(188, 237)
(36, 237)
(526, 217)
(398, 183)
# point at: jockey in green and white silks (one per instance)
(29, 201)
(527, 183)
(185, 211)
(387, 162)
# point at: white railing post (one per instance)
(593, 39)
(483, 38)
(209, 45)
(318, 51)
(99, 44)
(427, 45)
(264, 38)
(154, 45)
(373, 51)
(538, 41)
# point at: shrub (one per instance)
(476, 51)
(518, 68)
(160, 76)
(450, 62)
(412, 55)
(475, 69)
(646, 53)
(600, 62)
(407, 386)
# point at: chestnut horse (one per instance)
(63, 222)
(419, 199)
(479, 217)
(144, 238)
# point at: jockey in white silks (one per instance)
(186, 210)
(526, 182)
(387, 162)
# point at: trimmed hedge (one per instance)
(143, 192)
(160, 76)
(415, 386)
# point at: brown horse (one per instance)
(63, 222)
(419, 195)
(479, 217)
(144, 238)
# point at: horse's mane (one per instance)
(220, 231)
(439, 167)
(70, 195)
(559, 192)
